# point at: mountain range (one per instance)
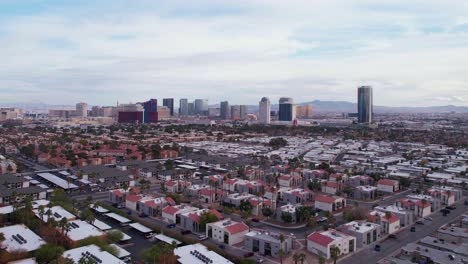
(317, 107)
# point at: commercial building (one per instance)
(225, 110)
(287, 110)
(264, 112)
(183, 107)
(164, 112)
(130, 113)
(201, 106)
(91, 254)
(238, 112)
(197, 253)
(267, 243)
(81, 109)
(20, 238)
(150, 111)
(365, 104)
(304, 111)
(169, 103)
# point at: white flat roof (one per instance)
(101, 225)
(167, 239)
(43, 186)
(81, 230)
(57, 181)
(37, 203)
(122, 253)
(186, 255)
(64, 173)
(6, 209)
(125, 236)
(35, 182)
(99, 209)
(92, 251)
(24, 261)
(119, 218)
(26, 241)
(141, 228)
(57, 214)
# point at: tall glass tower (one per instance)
(365, 104)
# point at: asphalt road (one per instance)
(388, 246)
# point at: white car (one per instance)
(202, 237)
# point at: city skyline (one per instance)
(70, 52)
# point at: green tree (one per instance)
(114, 236)
(286, 217)
(335, 253)
(206, 218)
(267, 211)
(158, 253)
(322, 260)
(245, 206)
(48, 253)
(169, 164)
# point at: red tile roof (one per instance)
(151, 204)
(170, 210)
(216, 213)
(320, 239)
(421, 205)
(237, 228)
(392, 219)
(170, 201)
(118, 193)
(195, 217)
(324, 199)
(133, 198)
(387, 182)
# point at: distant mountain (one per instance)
(37, 106)
(340, 106)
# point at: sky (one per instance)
(414, 53)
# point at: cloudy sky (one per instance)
(414, 53)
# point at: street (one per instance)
(404, 237)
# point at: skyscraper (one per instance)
(243, 112)
(150, 114)
(287, 110)
(183, 107)
(201, 106)
(365, 104)
(225, 110)
(304, 111)
(82, 109)
(235, 112)
(264, 115)
(169, 103)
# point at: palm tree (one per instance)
(49, 214)
(302, 257)
(41, 211)
(296, 258)
(281, 255)
(322, 260)
(335, 253)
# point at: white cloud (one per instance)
(238, 51)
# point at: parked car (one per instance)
(420, 222)
(185, 232)
(248, 255)
(428, 218)
(392, 236)
(256, 220)
(222, 246)
(413, 229)
(171, 226)
(451, 207)
(466, 202)
(202, 237)
(377, 247)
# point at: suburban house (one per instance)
(388, 186)
(171, 214)
(191, 220)
(321, 243)
(227, 231)
(365, 232)
(267, 243)
(329, 203)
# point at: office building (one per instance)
(235, 112)
(264, 113)
(213, 112)
(287, 110)
(169, 103)
(304, 111)
(243, 112)
(201, 106)
(267, 243)
(365, 104)
(81, 110)
(164, 112)
(150, 111)
(225, 110)
(191, 108)
(183, 107)
(130, 113)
